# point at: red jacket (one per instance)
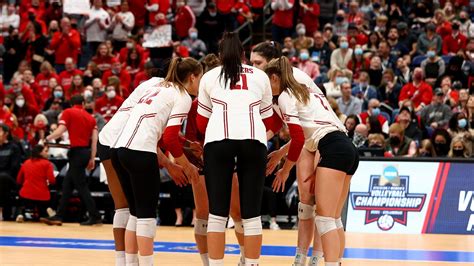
(26, 116)
(310, 18)
(66, 45)
(137, 7)
(107, 108)
(224, 6)
(103, 63)
(453, 45)
(184, 20)
(284, 18)
(125, 80)
(35, 175)
(163, 6)
(65, 79)
(421, 94)
(192, 132)
(6, 117)
(30, 99)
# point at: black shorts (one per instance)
(103, 152)
(338, 153)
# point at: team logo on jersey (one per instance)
(388, 200)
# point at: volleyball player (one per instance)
(107, 137)
(158, 114)
(261, 54)
(310, 115)
(234, 99)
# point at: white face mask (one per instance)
(110, 94)
(88, 94)
(20, 102)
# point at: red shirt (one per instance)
(35, 174)
(184, 20)
(444, 29)
(26, 116)
(163, 6)
(66, 45)
(107, 108)
(137, 7)
(421, 94)
(103, 63)
(284, 18)
(123, 54)
(245, 9)
(6, 117)
(125, 80)
(360, 39)
(224, 6)
(257, 3)
(310, 18)
(30, 99)
(453, 45)
(192, 133)
(65, 79)
(364, 119)
(80, 125)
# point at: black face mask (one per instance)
(31, 17)
(54, 30)
(375, 146)
(425, 154)
(89, 110)
(463, 20)
(395, 141)
(339, 18)
(441, 149)
(458, 153)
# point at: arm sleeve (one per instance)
(204, 100)
(65, 118)
(171, 140)
(297, 142)
(201, 122)
(289, 111)
(275, 4)
(179, 112)
(427, 95)
(288, 4)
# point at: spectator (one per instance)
(35, 46)
(443, 26)
(53, 12)
(110, 102)
(451, 95)
(10, 161)
(374, 111)
(83, 132)
(429, 39)
(302, 41)
(25, 113)
(372, 45)
(461, 105)
(329, 36)
(454, 42)
(363, 90)
(143, 75)
(308, 66)
(427, 149)
(289, 49)
(242, 12)
(384, 52)
(66, 77)
(459, 126)
(341, 25)
(29, 82)
(92, 72)
(132, 44)
(403, 72)
(342, 55)
(437, 114)
(418, 91)
(459, 149)
(376, 141)
(10, 21)
(433, 66)
(89, 106)
(381, 25)
(18, 87)
(398, 144)
(358, 62)
(184, 19)
(389, 90)
(454, 70)
(196, 47)
(328, 9)
(309, 14)
(320, 52)
(375, 71)
(441, 142)
(348, 104)
(466, 27)
(5, 114)
(282, 22)
(210, 24)
(121, 26)
(34, 177)
(354, 37)
(409, 122)
(65, 44)
(155, 7)
(397, 48)
(98, 20)
(12, 56)
(351, 122)
(134, 63)
(336, 78)
(103, 58)
(76, 88)
(57, 95)
(125, 79)
(361, 134)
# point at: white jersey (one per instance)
(161, 107)
(303, 78)
(110, 132)
(235, 113)
(316, 117)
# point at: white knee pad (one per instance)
(121, 218)
(339, 224)
(305, 211)
(131, 223)
(146, 227)
(200, 227)
(252, 226)
(325, 224)
(239, 227)
(216, 224)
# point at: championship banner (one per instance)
(80, 7)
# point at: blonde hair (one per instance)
(396, 128)
(282, 68)
(466, 149)
(180, 69)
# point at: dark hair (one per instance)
(453, 122)
(180, 69)
(375, 126)
(443, 132)
(77, 100)
(6, 130)
(134, 62)
(230, 55)
(36, 151)
(269, 50)
(357, 122)
(209, 62)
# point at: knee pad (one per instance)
(200, 227)
(239, 227)
(146, 227)
(121, 218)
(339, 224)
(252, 226)
(216, 224)
(325, 224)
(305, 211)
(131, 223)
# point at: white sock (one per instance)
(315, 258)
(300, 257)
(216, 262)
(145, 260)
(242, 255)
(205, 259)
(251, 262)
(331, 264)
(119, 258)
(131, 259)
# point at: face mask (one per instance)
(375, 111)
(301, 31)
(395, 141)
(20, 102)
(31, 17)
(431, 54)
(304, 56)
(375, 146)
(463, 20)
(110, 94)
(339, 80)
(17, 90)
(129, 45)
(54, 30)
(418, 76)
(462, 123)
(339, 18)
(193, 35)
(458, 153)
(212, 14)
(425, 154)
(359, 140)
(358, 51)
(58, 94)
(87, 94)
(364, 84)
(344, 45)
(441, 149)
(89, 110)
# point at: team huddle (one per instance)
(236, 109)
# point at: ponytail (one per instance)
(230, 55)
(180, 69)
(282, 68)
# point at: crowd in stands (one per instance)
(399, 73)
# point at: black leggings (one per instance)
(139, 177)
(220, 159)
